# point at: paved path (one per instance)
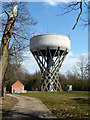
(29, 108)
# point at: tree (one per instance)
(77, 83)
(22, 30)
(78, 78)
(14, 46)
(77, 6)
(80, 70)
(14, 72)
(5, 42)
(63, 81)
(32, 81)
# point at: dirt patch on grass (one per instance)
(8, 104)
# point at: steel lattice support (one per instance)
(50, 64)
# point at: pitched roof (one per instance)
(17, 82)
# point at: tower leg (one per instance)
(50, 65)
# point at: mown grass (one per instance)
(7, 104)
(65, 105)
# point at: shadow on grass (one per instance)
(5, 112)
(13, 115)
(82, 100)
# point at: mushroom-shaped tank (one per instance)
(49, 50)
(52, 41)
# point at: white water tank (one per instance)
(52, 41)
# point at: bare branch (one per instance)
(13, 52)
(19, 35)
(10, 47)
(74, 6)
(7, 13)
(16, 39)
(78, 15)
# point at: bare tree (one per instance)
(5, 42)
(16, 34)
(80, 69)
(77, 6)
(88, 68)
(22, 30)
(14, 72)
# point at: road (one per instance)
(29, 108)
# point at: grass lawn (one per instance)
(66, 105)
(8, 104)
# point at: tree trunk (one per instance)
(5, 43)
(4, 92)
(4, 61)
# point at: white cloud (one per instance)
(29, 62)
(71, 59)
(55, 2)
(51, 2)
(69, 62)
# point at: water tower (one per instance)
(50, 50)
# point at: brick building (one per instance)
(17, 87)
